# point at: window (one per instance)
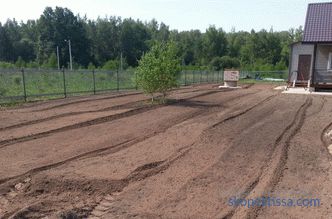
(329, 62)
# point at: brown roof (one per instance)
(318, 26)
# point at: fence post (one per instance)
(117, 80)
(24, 88)
(193, 81)
(64, 82)
(194, 77)
(94, 81)
(136, 85)
(185, 78)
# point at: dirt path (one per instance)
(123, 158)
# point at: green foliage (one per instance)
(111, 65)
(101, 42)
(6, 65)
(2, 91)
(91, 66)
(20, 63)
(158, 69)
(52, 62)
(215, 43)
(219, 63)
(32, 64)
(17, 80)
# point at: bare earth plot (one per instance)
(116, 156)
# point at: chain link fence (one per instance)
(32, 84)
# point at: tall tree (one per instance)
(56, 28)
(215, 43)
(134, 38)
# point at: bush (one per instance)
(219, 63)
(115, 64)
(158, 69)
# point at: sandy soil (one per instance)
(117, 156)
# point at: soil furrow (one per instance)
(110, 149)
(115, 107)
(99, 120)
(123, 145)
(140, 173)
(86, 101)
(20, 125)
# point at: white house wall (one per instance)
(322, 56)
(301, 49)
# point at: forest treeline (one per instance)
(100, 43)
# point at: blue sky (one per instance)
(178, 14)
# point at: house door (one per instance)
(304, 68)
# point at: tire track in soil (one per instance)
(128, 143)
(325, 139)
(233, 116)
(320, 107)
(245, 111)
(276, 172)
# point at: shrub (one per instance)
(158, 70)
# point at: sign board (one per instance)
(231, 75)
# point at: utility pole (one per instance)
(57, 54)
(70, 58)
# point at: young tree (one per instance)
(158, 70)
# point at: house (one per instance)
(311, 59)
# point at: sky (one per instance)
(177, 14)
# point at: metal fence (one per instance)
(31, 84)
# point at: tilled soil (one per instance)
(118, 156)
